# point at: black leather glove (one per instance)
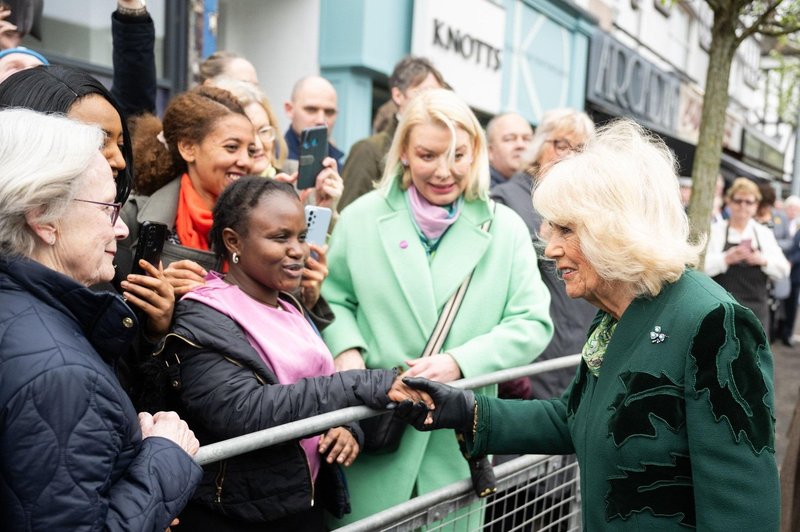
(453, 407)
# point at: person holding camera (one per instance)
(744, 255)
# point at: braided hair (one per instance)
(234, 205)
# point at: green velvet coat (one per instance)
(672, 434)
(387, 296)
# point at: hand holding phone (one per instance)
(318, 219)
(747, 244)
(313, 149)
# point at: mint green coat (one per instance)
(387, 297)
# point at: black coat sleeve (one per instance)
(232, 400)
(134, 61)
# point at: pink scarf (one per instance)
(432, 220)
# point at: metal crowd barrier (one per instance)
(535, 492)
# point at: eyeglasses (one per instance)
(112, 209)
(741, 201)
(563, 146)
(266, 133)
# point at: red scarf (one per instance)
(193, 221)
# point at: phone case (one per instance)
(152, 236)
(313, 149)
(318, 219)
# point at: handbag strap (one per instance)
(448, 315)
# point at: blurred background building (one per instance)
(639, 58)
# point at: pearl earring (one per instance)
(404, 162)
(235, 258)
(52, 240)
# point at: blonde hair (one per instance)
(440, 107)
(744, 186)
(621, 198)
(248, 93)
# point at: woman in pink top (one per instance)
(243, 357)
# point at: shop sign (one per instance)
(761, 152)
(630, 85)
(464, 39)
(690, 112)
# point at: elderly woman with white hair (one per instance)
(73, 452)
(671, 412)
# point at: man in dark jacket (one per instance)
(313, 103)
(508, 138)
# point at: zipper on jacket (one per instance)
(163, 343)
(308, 470)
(218, 482)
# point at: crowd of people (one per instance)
(455, 251)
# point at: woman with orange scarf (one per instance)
(182, 166)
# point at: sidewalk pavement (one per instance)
(787, 389)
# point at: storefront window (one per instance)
(80, 30)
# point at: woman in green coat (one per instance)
(398, 254)
(671, 413)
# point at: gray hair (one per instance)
(42, 160)
(562, 119)
(792, 201)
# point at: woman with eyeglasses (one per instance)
(78, 95)
(74, 455)
(743, 254)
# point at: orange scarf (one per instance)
(193, 221)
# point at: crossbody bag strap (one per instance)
(448, 315)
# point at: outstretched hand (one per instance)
(400, 392)
(452, 409)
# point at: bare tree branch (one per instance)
(759, 22)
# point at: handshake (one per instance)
(429, 405)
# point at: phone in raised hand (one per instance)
(152, 236)
(313, 150)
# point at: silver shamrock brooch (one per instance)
(656, 335)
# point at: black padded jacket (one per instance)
(224, 389)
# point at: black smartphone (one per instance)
(152, 236)
(313, 149)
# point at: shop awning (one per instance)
(731, 167)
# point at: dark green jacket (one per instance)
(672, 434)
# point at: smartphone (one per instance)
(747, 244)
(313, 149)
(318, 219)
(152, 236)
